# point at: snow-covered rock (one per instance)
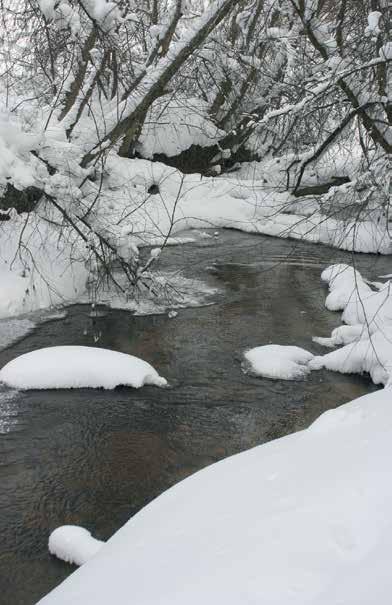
(305, 519)
(73, 544)
(72, 367)
(343, 335)
(371, 354)
(280, 362)
(367, 337)
(344, 284)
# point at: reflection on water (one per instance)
(94, 458)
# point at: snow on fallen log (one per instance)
(73, 544)
(72, 367)
(278, 362)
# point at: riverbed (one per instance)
(94, 458)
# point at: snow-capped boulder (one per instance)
(279, 362)
(72, 367)
(73, 544)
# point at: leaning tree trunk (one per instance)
(153, 84)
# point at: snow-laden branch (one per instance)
(157, 78)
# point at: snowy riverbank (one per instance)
(43, 263)
(303, 519)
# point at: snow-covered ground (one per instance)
(172, 127)
(72, 367)
(39, 266)
(250, 204)
(303, 519)
(12, 330)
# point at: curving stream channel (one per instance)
(94, 458)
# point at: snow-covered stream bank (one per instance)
(95, 458)
(303, 519)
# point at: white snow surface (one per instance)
(73, 544)
(279, 362)
(305, 519)
(190, 201)
(373, 28)
(40, 266)
(72, 367)
(342, 335)
(386, 51)
(12, 330)
(371, 354)
(346, 286)
(367, 337)
(17, 165)
(173, 125)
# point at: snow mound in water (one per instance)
(73, 544)
(72, 367)
(279, 362)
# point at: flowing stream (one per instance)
(94, 457)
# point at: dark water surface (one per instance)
(94, 458)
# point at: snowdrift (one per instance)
(303, 519)
(40, 265)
